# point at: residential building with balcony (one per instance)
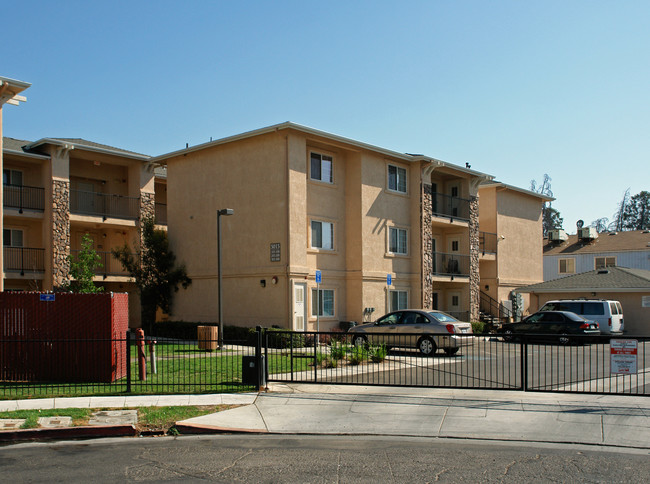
(510, 248)
(56, 191)
(306, 201)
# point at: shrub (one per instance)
(338, 350)
(377, 353)
(282, 338)
(478, 327)
(358, 354)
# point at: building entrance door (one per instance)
(299, 307)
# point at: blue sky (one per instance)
(515, 88)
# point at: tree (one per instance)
(154, 269)
(636, 215)
(82, 270)
(618, 223)
(551, 219)
(600, 224)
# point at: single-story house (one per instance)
(629, 286)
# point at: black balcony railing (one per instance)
(161, 213)
(24, 259)
(110, 266)
(104, 205)
(487, 243)
(450, 264)
(448, 206)
(493, 309)
(23, 197)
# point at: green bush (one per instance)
(358, 354)
(282, 338)
(377, 353)
(338, 350)
(478, 327)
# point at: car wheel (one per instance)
(507, 335)
(359, 340)
(451, 351)
(426, 346)
(564, 339)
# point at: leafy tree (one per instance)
(155, 272)
(551, 219)
(83, 268)
(600, 224)
(636, 215)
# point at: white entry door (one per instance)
(299, 306)
(453, 303)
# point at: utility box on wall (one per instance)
(64, 337)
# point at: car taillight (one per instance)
(609, 322)
(585, 326)
(451, 329)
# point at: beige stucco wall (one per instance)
(636, 318)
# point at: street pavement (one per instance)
(604, 420)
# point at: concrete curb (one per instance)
(84, 432)
(188, 428)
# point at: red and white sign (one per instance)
(623, 356)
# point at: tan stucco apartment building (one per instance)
(306, 201)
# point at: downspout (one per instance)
(288, 233)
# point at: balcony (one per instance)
(161, 213)
(24, 259)
(450, 264)
(487, 243)
(451, 207)
(23, 197)
(104, 205)
(110, 266)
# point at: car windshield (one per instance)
(442, 317)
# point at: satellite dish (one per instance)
(580, 224)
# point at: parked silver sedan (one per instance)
(426, 330)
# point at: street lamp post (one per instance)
(220, 212)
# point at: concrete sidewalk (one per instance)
(622, 421)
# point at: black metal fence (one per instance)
(460, 361)
(24, 259)
(487, 243)
(32, 368)
(48, 368)
(24, 197)
(448, 206)
(109, 265)
(451, 264)
(104, 205)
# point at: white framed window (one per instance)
(604, 262)
(397, 178)
(322, 235)
(322, 302)
(321, 168)
(397, 241)
(399, 300)
(567, 266)
(12, 237)
(12, 177)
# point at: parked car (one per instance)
(560, 326)
(423, 329)
(608, 314)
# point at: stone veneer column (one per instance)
(474, 276)
(426, 207)
(60, 232)
(147, 209)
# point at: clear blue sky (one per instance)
(515, 88)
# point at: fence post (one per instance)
(524, 364)
(315, 358)
(128, 361)
(258, 356)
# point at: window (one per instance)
(455, 245)
(397, 178)
(398, 300)
(321, 168)
(567, 266)
(323, 305)
(397, 243)
(12, 177)
(12, 237)
(455, 301)
(603, 262)
(322, 235)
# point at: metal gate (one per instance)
(479, 362)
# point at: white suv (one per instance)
(608, 314)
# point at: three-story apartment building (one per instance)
(306, 201)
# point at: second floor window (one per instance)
(12, 237)
(12, 177)
(603, 262)
(396, 178)
(398, 243)
(567, 266)
(321, 168)
(322, 235)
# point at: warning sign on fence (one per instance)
(623, 356)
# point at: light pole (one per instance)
(220, 212)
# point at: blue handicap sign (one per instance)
(389, 279)
(46, 297)
(319, 279)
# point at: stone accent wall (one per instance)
(474, 276)
(426, 207)
(60, 232)
(147, 205)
